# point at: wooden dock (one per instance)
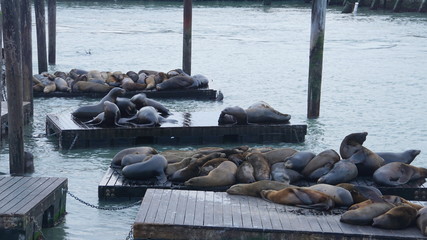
(114, 185)
(192, 128)
(196, 94)
(183, 214)
(4, 111)
(27, 203)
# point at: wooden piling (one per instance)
(266, 2)
(1, 70)
(375, 4)
(397, 6)
(51, 15)
(318, 14)
(423, 6)
(39, 7)
(27, 55)
(186, 54)
(12, 47)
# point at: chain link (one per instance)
(38, 228)
(104, 208)
(130, 234)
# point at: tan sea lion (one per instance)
(341, 196)
(261, 166)
(398, 217)
(299, 160)
(151, 82)
(397, 173)
(301, 197)
(342, 171)
(396, 200)
(245, 173)
(365, 214)
(84, 86)
(279, 155)
(223, 175)
(320, 164)
(405, 157)
(51, 87)
(131, 86)
(173, 167)
(351, 144)
(254, 189)
(117, 159)
(367, 162)
(174, 155)
(211, 165)
(422, 220)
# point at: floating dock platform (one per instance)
(3, 115)
(192, 128)
(114, 185)
(197, 94)
(29, 203)
(183, 214)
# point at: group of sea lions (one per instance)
(78, 80)
(113, 110)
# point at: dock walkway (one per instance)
(27, 203)
(182, 214)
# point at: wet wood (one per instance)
(4, 116)
(27, 55)
(375, 4)
(186, 54)
(51, 16)
(12, 47)
(423, 6)
(261, 220)
(39, 7)
(397, 6)
(318, 14)
(1, 79)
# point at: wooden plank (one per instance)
(235, 210)
(218, 209)
(145, 205)
(191, 208)
(172, 207)
(9, 190)
(106, 178)
(182, 203)
(272, 215)
(208, 219)
(200, 209)
(246, 213)
(164, 202)
(261, 207)
(154, 206)
(227, 209)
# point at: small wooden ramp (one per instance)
(183, 214)
(28, 203)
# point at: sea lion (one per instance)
(173, 167)
(91, 87)
(223, 175)
(60, 74)
(396, 200)
(140, 100)
(365, 215)
(405, 157)
(233, 115)
(237, 158)
(126, 106)
(91, 111)
(176, 72)
(116, 162)
(254, 189)
(299, 160)
(361, 193)
(146, 117)
(320, 164)
(132, 75)
(141, 78)
(61, 85)
(341, 196)
(261, 166)
(134, 158)
(211, 165)
(51, 87)
(397, 173)
(177, 82)
(174, 155)
(153, 167)
(366, 161)
(342, 171)
(94, 74)
(282, 174)
(301, 197)
(148, 72)
(422, 220)
(201, 81)
(160, 77)
(108, 118)
(279, 155)
(261, 113)
(151, 82)
(245, 173)
(74, 73)
(351, 144)
(131, 86)
(398, 217)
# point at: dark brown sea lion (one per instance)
(405, 157)
(342, 171)
(341, 196)
(365, 215)
(211, 165)
(398, 217)
(127, 108)
(254, 189)
(108, 118)
(233, 115)
(177, 82)
(223, 175)
(176, 72)
(299, 160)
(397, 173)
(422, 220)
(132, 75)
(245, 173)
(279, 155)
(60, 74)
(131, 86)
(140, 100)
(396, 200)
(173, 167)
(261, 113)
(301, 197)
(261, 166)
(237, 158)
(91, 111)
(351, 144)
(320, 164)
(153, 167)
(74, 73)
(361, 193)
(282, 174)
(84, 86)
(116, 162)
(367, 162)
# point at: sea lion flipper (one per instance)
(304, 197)
(162, 178)
(358, 157)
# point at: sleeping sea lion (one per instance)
(233, 115)
(245, 173)
(361, 193)
(398, 217)
(254, 189)
(262, 113)
(153, 167)
(282, 174)
(422, 220)
(320, 164)
(405, 157)
(397, 173)
(261, 166)
(351, 144)
(223, 175)
(173, 167)
(365, 215)
(177, 82)
(116, 162)
(140, 100)
(299, 160)
(342, 171)
(341, 196)
(134, 158)
(61, 85)
(279, 155)
(146, 117)
(211, 165)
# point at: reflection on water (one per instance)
(373, 80)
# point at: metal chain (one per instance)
(104, 208)
(38, 228)
(130, 234)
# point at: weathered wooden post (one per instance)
(39, 8)
(375, 4)
(423, 6)
(27, 55)
(397, 6)
(186, 53)
(1, 70)
(318, 14)
(12, 47)
(266, 2)
(51, 16)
